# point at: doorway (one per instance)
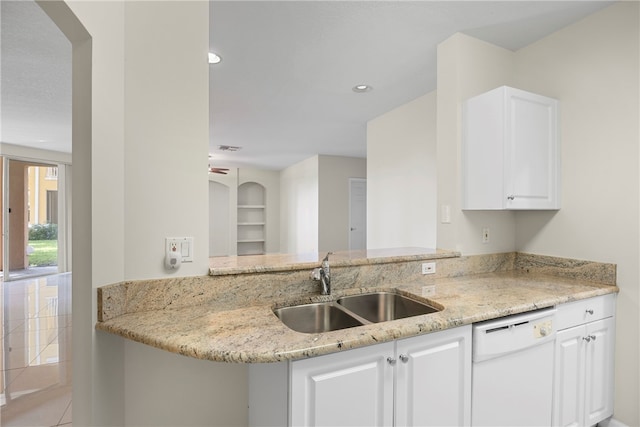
(33, 235)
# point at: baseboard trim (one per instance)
(611, 422)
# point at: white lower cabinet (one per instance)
(419, 381)
(584, 365)
(354, 388)
(433, 386)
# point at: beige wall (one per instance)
(593, 68)
(314, 203)
(401, 176)
(299, 207)
(333, 195)
(467, 67)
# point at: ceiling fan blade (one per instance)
(222, 171)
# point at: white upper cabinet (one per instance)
(510, 151)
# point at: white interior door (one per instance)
(357, 214)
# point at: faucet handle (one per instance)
(326, 258)
(315, 273)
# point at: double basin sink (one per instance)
(350, 311)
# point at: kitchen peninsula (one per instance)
(228, 315)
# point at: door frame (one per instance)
(64, 210)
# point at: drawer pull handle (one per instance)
(589, 311)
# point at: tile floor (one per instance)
(36, 351)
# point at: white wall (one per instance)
(593, 68)
(177, 390)
(136, 184)
(333, 194)
(299, 207)
(98, 133)
(166, 134)
(401, 176)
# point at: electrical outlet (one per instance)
(485, 235)
(183, 245)
(428, 267)
(429, 290)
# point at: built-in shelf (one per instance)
(251, 219)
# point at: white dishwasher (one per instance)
(512, 377)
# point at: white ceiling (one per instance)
(283, 90)
(35, 79)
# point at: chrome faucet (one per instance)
(323, 274)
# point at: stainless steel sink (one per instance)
(316, 318)
(383, 306)
(350, 311)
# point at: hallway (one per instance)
(36, 351)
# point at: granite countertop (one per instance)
(226, 265)
(253, 334)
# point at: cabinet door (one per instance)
(433, 379)
(569, 380)
(531, 151)
(599, 371)
(510, 151)
(353, 388)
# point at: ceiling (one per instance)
(283, 91)
(35, 79)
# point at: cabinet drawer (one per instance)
(584, 311)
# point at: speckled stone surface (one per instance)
(290, 262)
(230, 318)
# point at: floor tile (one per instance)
(36, 351)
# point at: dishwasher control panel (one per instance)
(543, 328)
(512, 333)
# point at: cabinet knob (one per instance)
(593, 337)
(511, 197)
(589, 311)
(391, 361)
(404, 358)
(587, 338)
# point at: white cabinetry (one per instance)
(583, 380)
(433, 379)
(419, 381)
(432, 375)
(354, 388)
(510, 151)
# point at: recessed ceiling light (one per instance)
(362, 88)
(214, 58)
